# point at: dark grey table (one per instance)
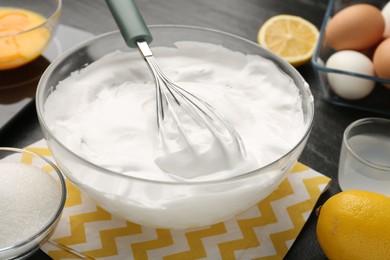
(240, 17)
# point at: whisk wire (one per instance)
(170, 96)
(194, 139)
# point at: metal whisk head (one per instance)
(179, 114)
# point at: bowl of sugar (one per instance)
(32, 197)
(97, 108)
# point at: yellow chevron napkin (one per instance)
(265, 231)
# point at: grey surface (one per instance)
(240, 17)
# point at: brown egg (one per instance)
(370, 51)
(381, 60)
(356, 27)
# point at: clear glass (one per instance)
(378, 100)
(21, 47)
(27, 247)
(127, 196)
(365, 156)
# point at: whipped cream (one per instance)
(106, 112)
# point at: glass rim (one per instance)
(55, 13)
(364, 121)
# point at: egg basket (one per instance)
(378, 101)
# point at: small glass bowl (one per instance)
(364, 158)
(19, 46)
(26, 247)
(378, 100)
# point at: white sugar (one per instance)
(29, 198)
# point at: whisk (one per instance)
(179, 111)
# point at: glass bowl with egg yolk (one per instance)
(26, 28)
(137, 190)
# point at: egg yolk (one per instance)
(17, 48)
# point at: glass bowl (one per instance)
(178, 205)
(26, 28)
(378, 100)
(25, 235)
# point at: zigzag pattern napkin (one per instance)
(265, 231)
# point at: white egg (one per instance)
(386, 16)
(346, 86)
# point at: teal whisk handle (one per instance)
(130, 22)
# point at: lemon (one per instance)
(355, 225)
(290, 37)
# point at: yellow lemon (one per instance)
(355, 225)
(290, 37)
